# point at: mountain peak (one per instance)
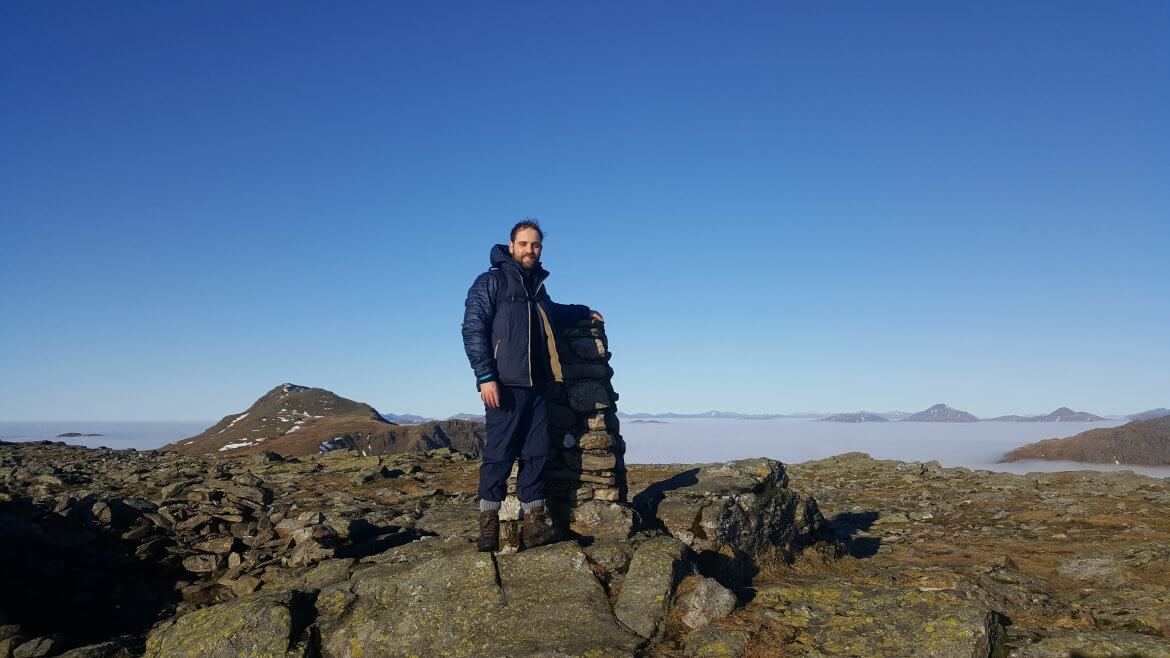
(285, 389)
(941, 413)
(291, 419)
(288, 413)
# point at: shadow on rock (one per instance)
(70, 567)
(846, 525)
(646, 502)
(367, 539)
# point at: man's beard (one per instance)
(522, 263)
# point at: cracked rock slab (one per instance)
(840, 618)
(541, 602)
(648, 586)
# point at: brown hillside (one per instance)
(299, 420)
(1145, 442)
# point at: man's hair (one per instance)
(527, 222)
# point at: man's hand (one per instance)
(597, 316)
(489, 392)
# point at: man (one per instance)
(508, 326)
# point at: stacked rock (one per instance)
(586, 457)
(586, 469)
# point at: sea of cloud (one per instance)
(140, 435)
(974, 445)
(698, 440)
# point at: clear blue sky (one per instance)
(777, 206)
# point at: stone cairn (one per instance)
(586, 460)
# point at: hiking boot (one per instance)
(537, 529)
(489, 531)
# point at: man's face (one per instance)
(525, 248)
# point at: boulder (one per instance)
(705, 603)
(740, 507)
(264, 624)
(244, 585)
(648, 587)
(203, 562)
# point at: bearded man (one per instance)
(508, 329)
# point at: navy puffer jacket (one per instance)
(498, 323)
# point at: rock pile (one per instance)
(131, 537)
(586, 462)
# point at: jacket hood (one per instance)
(502, 259)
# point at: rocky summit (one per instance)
(301, 420)
(125, 553)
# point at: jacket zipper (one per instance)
(528, 304)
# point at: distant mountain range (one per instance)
(412, 419)
(858, 417)
(1150, 415)
(715, 414)
(405, 419)
(937, 413)
(1145, 442)
(299, 420)
(1061, 415)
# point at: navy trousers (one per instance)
(518, 428)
